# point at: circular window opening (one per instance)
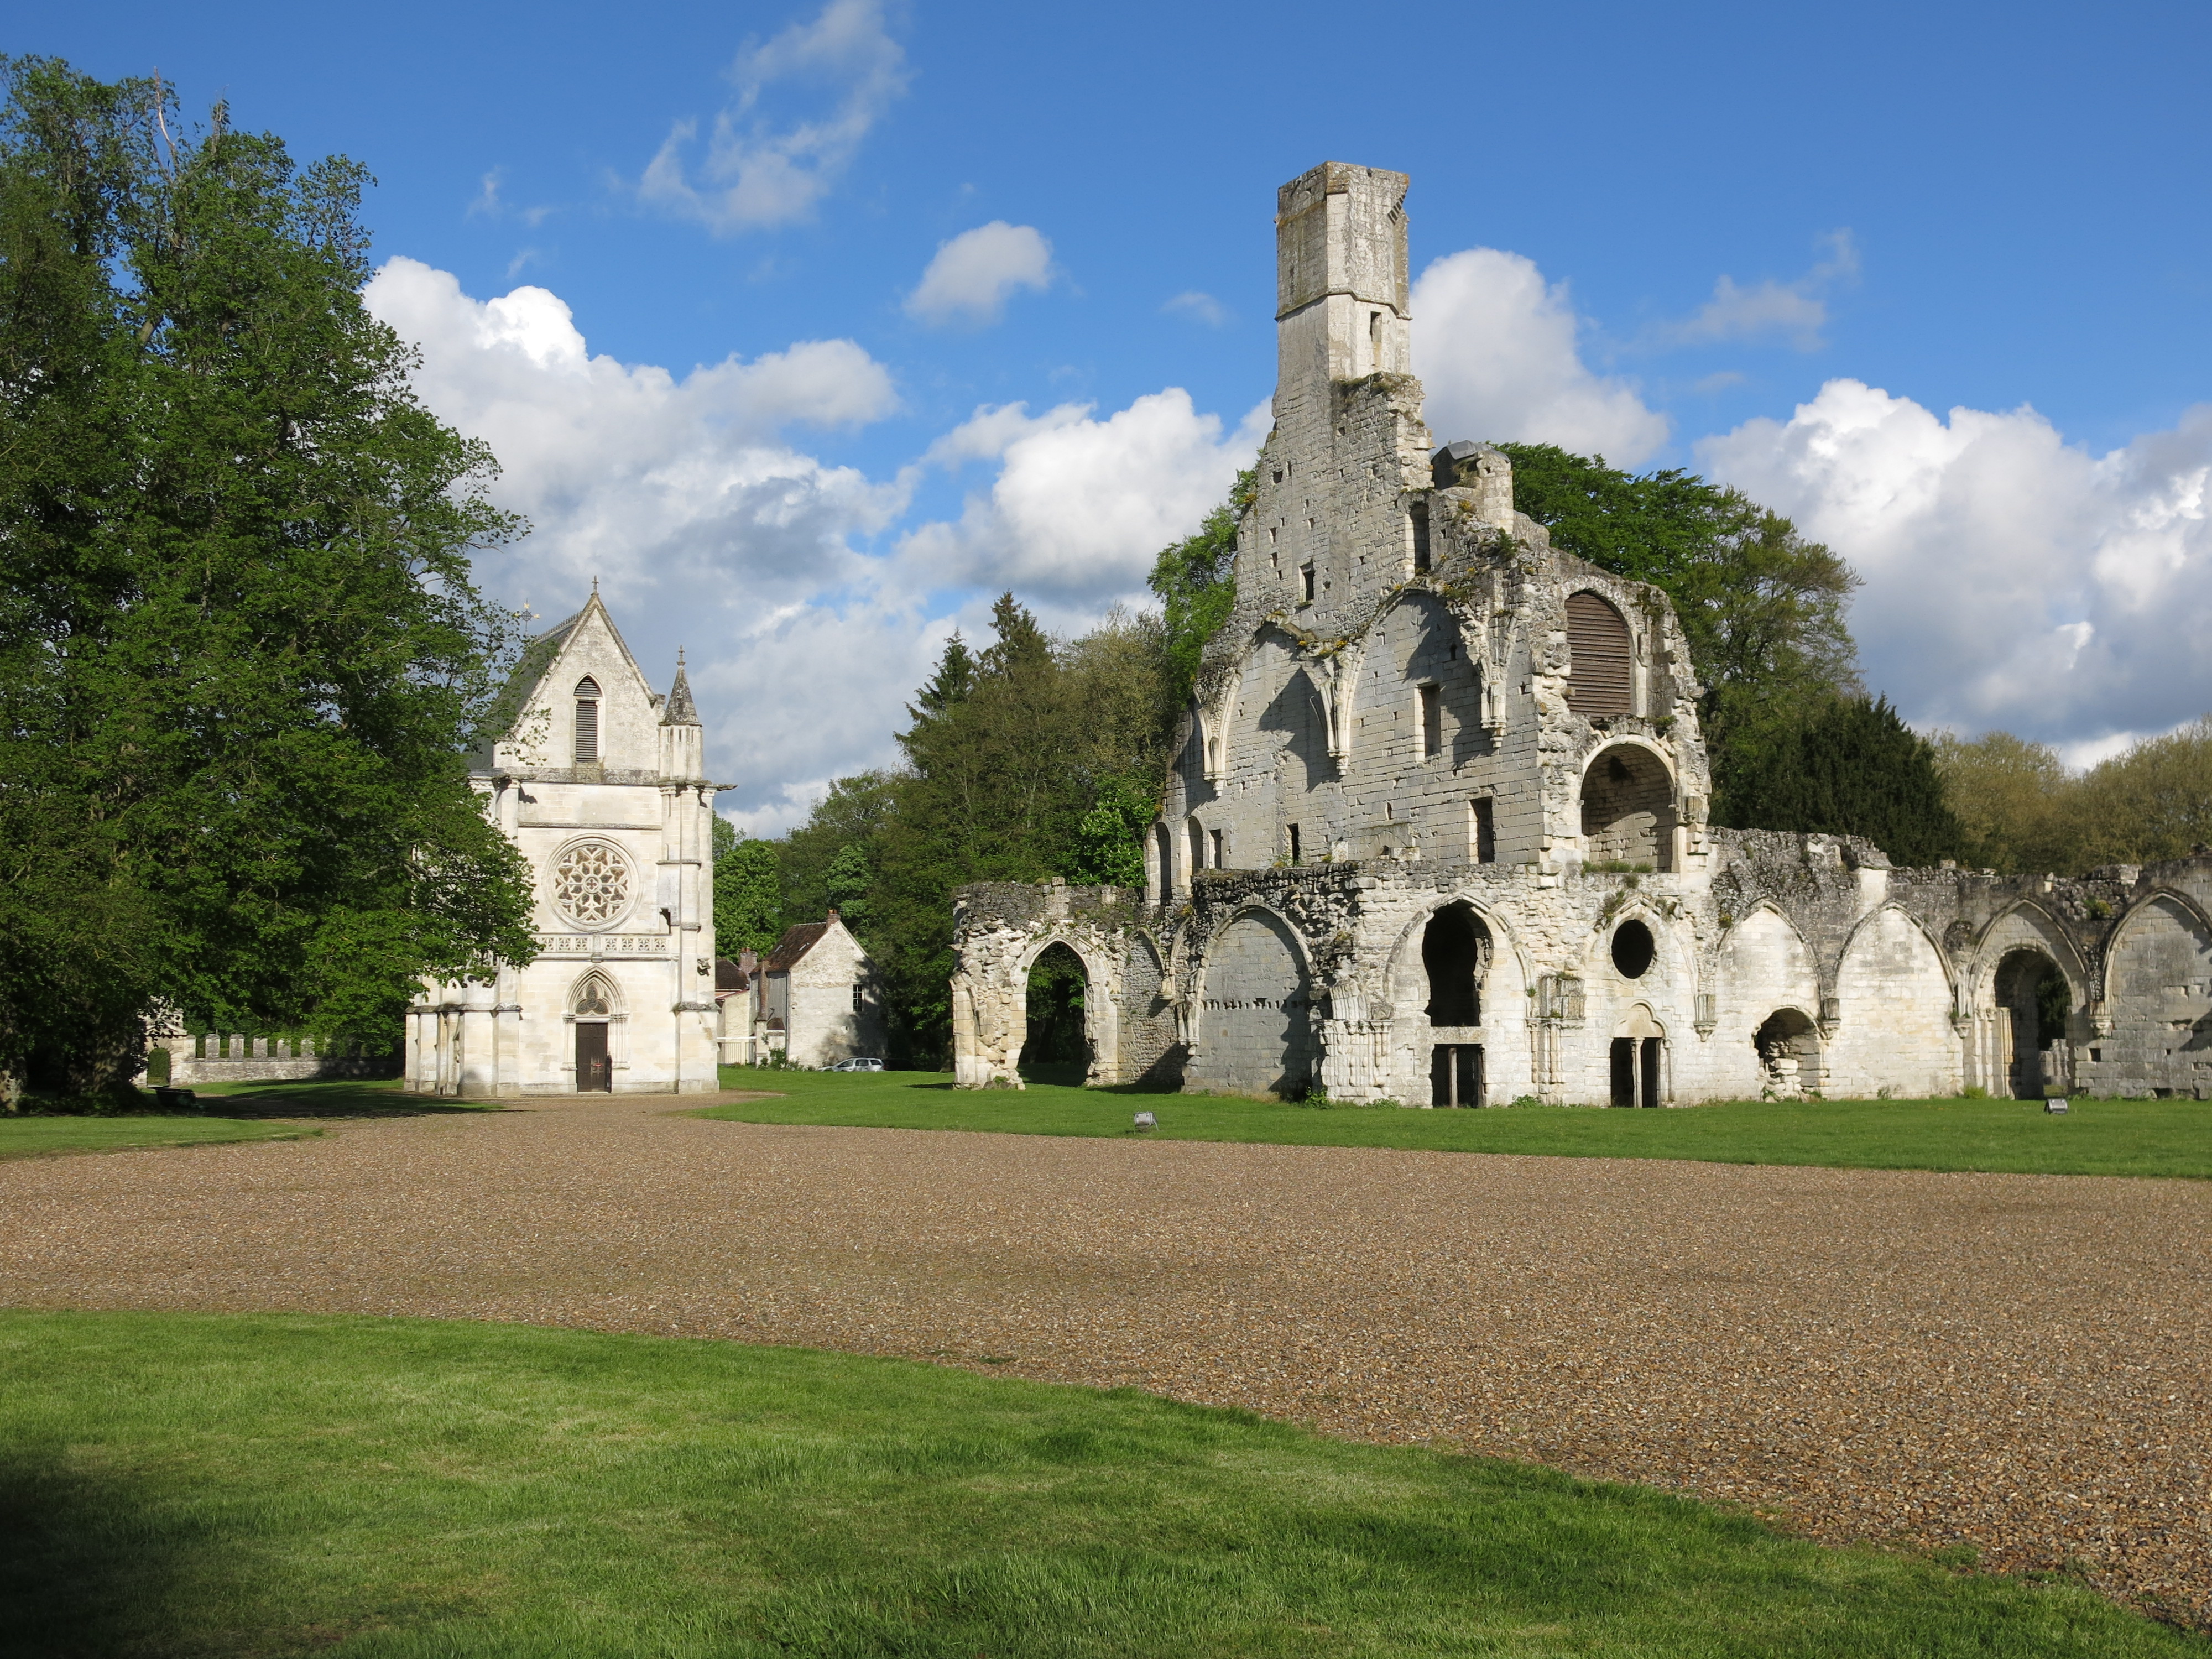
(1632, 949)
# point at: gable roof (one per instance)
(796, 942)
(538, 663)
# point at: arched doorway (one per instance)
(1639, 1060)
(1058, 1049)
(1788, 1045)
(2034, 993)
(1456, 951)
(592, 1009)
(1628, 809)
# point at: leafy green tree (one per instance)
(1109, 838)
(1195, 579)
(2015, 803)
(748, 892)
(2152, 802)
(853, 813)
(240, 655)
(1761, 607)
(1854, 768)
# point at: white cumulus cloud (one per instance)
(705, 526)
(759, 170)
(1495, 347)
(1082, 506)
(972, 275)
(2012, 579)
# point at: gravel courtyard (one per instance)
(2017, 1362)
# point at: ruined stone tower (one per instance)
(1436, 827)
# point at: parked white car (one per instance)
(856, 1064)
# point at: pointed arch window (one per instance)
(587, 721)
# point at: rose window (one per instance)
(591, 884)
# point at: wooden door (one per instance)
(594, 1071)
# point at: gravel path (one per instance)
(2018, 1363)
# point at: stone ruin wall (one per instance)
(1289, 978)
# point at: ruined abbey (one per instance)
(1436, 831)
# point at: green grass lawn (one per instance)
(181, 1484)
(50, 1137)
(2096, 1137)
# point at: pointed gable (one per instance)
(582, 661)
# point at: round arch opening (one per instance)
(1789, 1046)
(1455, 955)
(1058, 1047)
(1628, 810)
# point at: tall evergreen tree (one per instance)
(240, 655)
(1854, 768)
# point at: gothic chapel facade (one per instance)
(1436, 827)
(599, 781)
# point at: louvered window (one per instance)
(587, 721)
(1598, 680)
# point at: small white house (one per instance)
(814, 998)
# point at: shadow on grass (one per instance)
(334, 1098)
(91, 1565)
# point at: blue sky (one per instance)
(1934, 279)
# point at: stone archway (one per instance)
(1788, 1045)
(1256, 1030)
(2035, 1003)
(1455, 953)
(1639, 1060)
(1057, 1046)
(1628, 809)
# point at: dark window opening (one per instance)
(1432, 722)
(1482, 840)
(1633, 948)
(1220, 850)
(1455, 952)
(1305, 584)
(1294, 843)
(1420, 539)
(1636, 1070)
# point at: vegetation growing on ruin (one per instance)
(274, 1483)
(1195, 580)
(240, 656)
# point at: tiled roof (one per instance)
(795, 943)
